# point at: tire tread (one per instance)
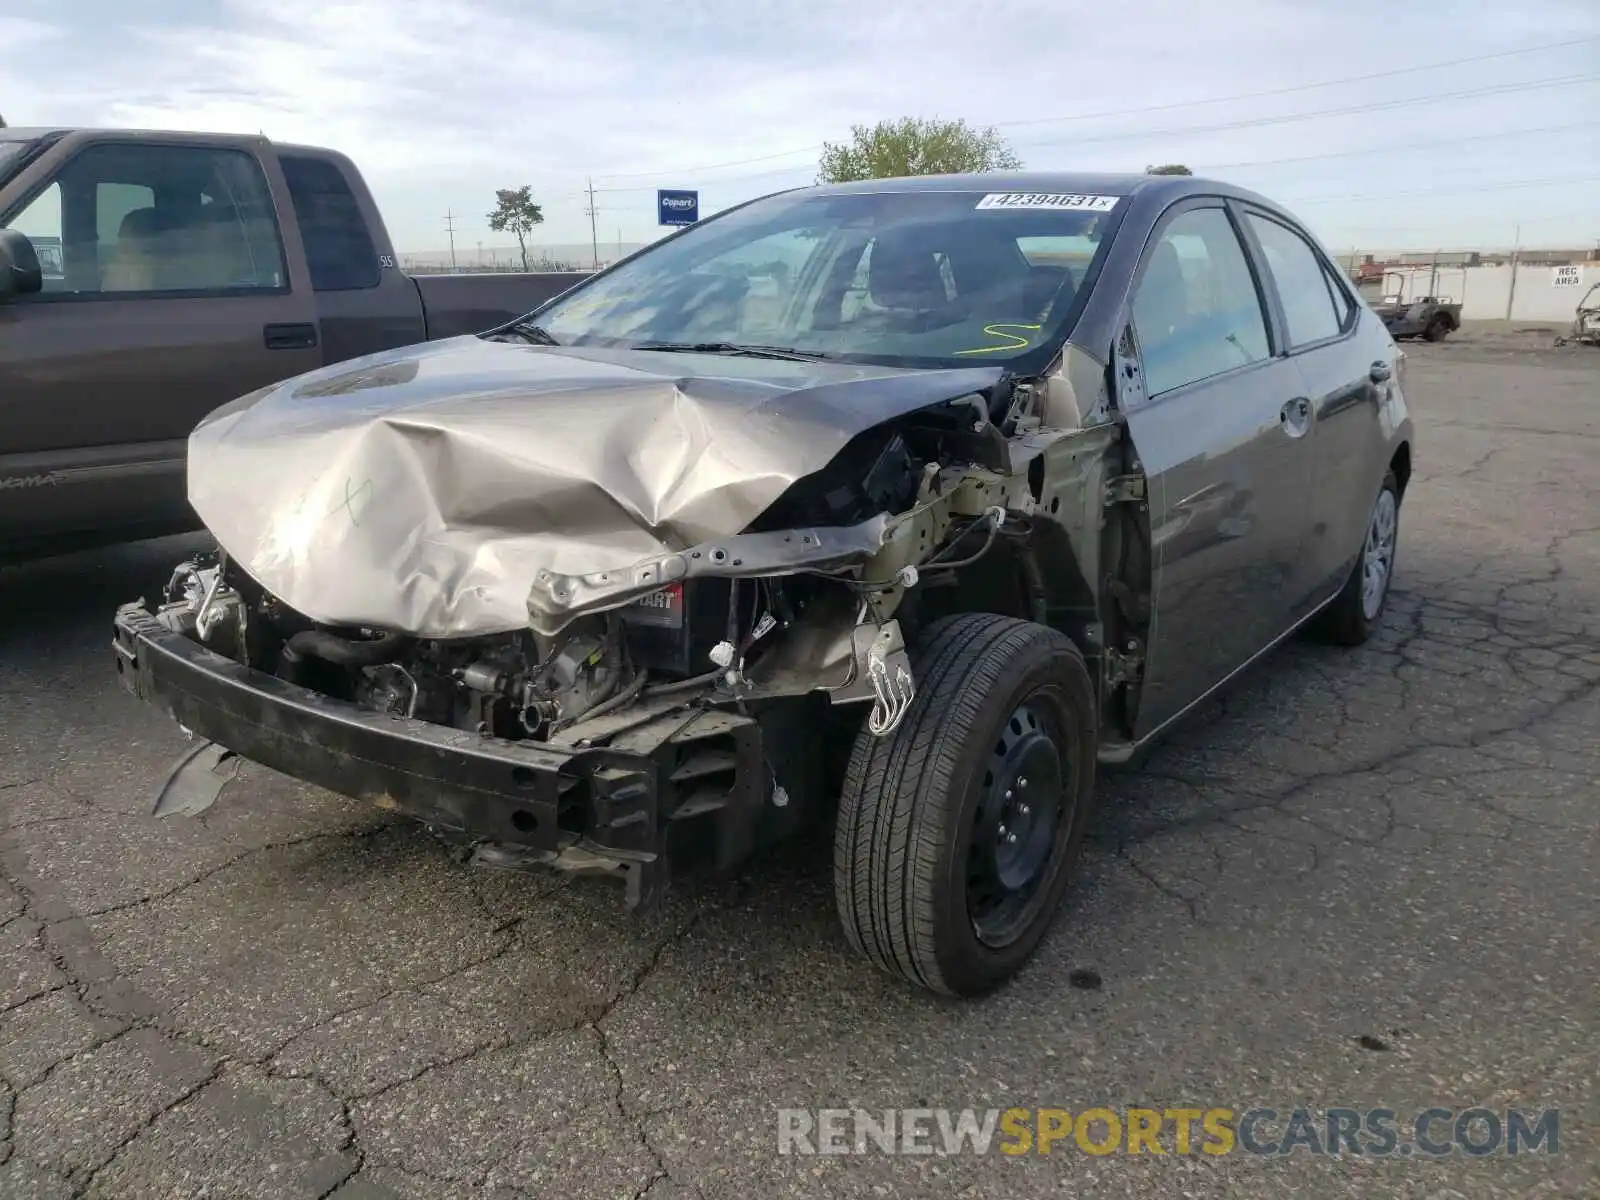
(891, 823)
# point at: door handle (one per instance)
(1381, 372)
(300, 335)
(1295, 416)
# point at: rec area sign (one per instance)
(677, 207)
(1566, 276)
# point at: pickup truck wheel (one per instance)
(957, 833)
(1438, 328)
(1355, 612)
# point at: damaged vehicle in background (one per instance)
(1585, 329)
(902, 504)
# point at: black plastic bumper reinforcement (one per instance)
(603, 809)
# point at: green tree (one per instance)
(915, 146)
(1168, 169)
(515, 212)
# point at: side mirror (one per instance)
(19, 266)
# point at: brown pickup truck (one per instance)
(147, 278)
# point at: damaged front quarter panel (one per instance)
(431, 490)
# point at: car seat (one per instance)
(135, 264)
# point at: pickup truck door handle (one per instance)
(1380, 372)
(297, 336)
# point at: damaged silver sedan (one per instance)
(897, 505)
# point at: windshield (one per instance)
(912, 278)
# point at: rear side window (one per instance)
(133, 217)
(1196, 308)
(1343, 305)
(339, 248)
(1303, 285)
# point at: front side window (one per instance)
(131, 218)
(906, 278)
(40, 223)
(339, 247)
(1302, 283)
(1196, 307)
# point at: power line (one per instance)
(1472, 187)
(450, 224)
(1315, 114)
(1167, 107)
(1259, 162)
(1254, 122)
(1302, 87)
(1471, 137)
(811, 149)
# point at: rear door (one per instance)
(1343, 368)
(1218, 422)
(168, 292)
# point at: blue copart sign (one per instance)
(674, 207)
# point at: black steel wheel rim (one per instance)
(1020, 822)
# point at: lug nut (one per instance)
(1024, 809)
(1011, 839)
(1008, 793)
(1022, 781)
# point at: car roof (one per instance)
(1074, 182)
(1161, 188)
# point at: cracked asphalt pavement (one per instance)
(1363, 878)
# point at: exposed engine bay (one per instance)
(703, 639)
(691, 699)
(807, 599)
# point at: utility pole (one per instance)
(1516, 252)
(450, 224)
(594, 231)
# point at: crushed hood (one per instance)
(426, 489)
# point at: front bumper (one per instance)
(604, 809)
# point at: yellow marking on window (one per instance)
(1016, 341)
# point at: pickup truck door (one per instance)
(364, 303)
(1218, 423)
(171, 288)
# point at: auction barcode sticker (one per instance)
(1073, 203)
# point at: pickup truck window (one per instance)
(139, 218)
(339, 248)
(40, 223)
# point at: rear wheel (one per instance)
(1350, 619)
(957, 834)
(1438, 328)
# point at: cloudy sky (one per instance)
(1319, 103)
